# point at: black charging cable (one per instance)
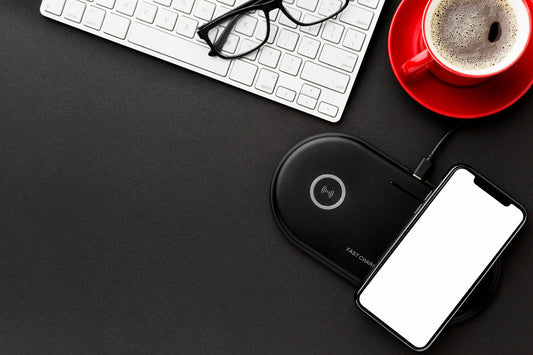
(425, 164)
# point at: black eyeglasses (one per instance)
(247, 27)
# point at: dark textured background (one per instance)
(135, 217)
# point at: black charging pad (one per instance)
(344, 202)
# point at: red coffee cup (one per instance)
(429, 58)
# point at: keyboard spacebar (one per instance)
(177, 48)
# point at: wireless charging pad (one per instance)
(343, 202)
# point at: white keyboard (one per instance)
(309, 68)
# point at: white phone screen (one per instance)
(426, 276)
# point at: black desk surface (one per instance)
(135, 212)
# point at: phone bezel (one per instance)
(429, 199)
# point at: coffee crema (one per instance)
(473, 35)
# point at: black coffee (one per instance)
(473, 35)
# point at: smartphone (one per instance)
(450, 244)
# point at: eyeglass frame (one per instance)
(263, 5)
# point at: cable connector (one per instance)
(425, 164)
(422, 168)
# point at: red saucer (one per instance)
(481, 100)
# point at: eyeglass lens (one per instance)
(239, 34)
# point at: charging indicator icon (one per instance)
(327, 191)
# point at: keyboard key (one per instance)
(308, 47)
(327, 7)
(332, 32)
(227, 2)
(296, 14)
(369, 3)
(310, 91)
(220, 10)
(126, 7)
(74, 10)
(243, 72)
(285, 94)
(94, 17)
(260, 33)
(306, 101)
(163, 2)
(266, 81)
(54, 6)
(116, 25)
(287, 39)
(338, 58)
(247, 45)
(231, 43)
(177, 48)
(357, 16)
(326, 77)
(269, 57)
(204, 10)
(246, 25)
(183, 5)
(187, 27)
(353, 39)
(284, 20)
(166, 19)
(106, 3)
(309, 5)
(146, 12)
(328, 109)
(312, 30)
(212, 35)
(273, 15)
(290, 64)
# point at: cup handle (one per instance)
(416, 64)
